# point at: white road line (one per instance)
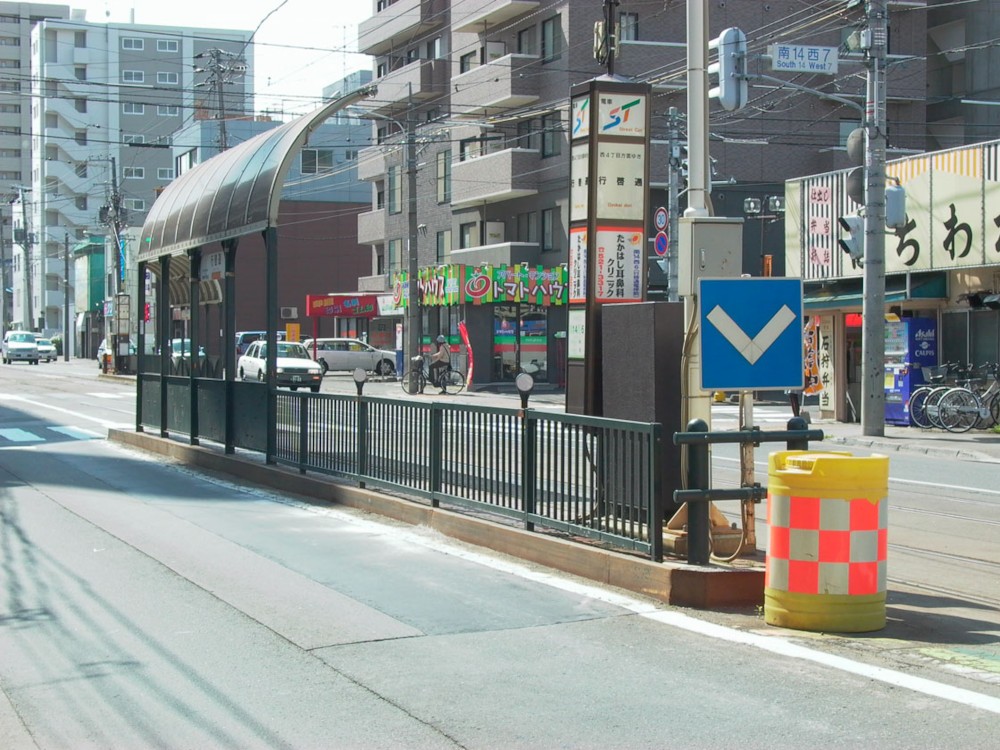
(102, 422)
(16, 435)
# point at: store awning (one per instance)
(848, 293)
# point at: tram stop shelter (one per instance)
(232, 195)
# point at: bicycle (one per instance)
(418, 376)
(965, 407)
(923, 401)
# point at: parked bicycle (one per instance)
(418, 377)
(923, 404)
(970, 405)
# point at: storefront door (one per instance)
(520, 342)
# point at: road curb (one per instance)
(672, 581)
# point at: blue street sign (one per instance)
(751, 333)
(660, 244)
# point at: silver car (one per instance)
(20, 346)
(347, 355)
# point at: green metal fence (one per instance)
(585, 476)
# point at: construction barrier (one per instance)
(827, 516)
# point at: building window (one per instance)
(468, 61)
(434, 48)
(81, 169)
(395, 191)
(80, 72)
(549, 216)
(10, 86)
(10, 41)
(11, 109)
(131, 138)
(165, 173)
(166, 45)
(81, 202)
(80, 104)
(135, 204)
(443, 245)
(80, 39)
(381, 69)
(444, 177)
(133, 108)
(168, 78)
(379, 200)
(131, 42)
(395, 255)
(470, 148)
(412, 54)
(527, 41)
(551, 134)
(552, 38)
(628, 26)
(316, 160)
(10, 63)
(527, 227)
(80, 136)
(168, 110)
(133, 173)
(467, 234)
(9, 19)
(525, 134)
(51, 120)
(350, 154)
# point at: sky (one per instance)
(302, 46)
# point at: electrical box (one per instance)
(708, 246)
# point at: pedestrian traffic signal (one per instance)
(730, 67)
(854, 242)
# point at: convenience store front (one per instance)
(499, 320)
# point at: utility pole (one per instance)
(673, 201)
(111, 215)
(873, 307)
(413, 319)
(223, 67)
(28, 316)
(65, 338)
(3, 279)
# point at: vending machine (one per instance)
(910, 345)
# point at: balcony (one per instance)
(371, 163)
(420, 79)
(378, 283)
(371, 227)
(494, 86)
(500, 254)
(399, 24)
(501, 176)
(481, 14)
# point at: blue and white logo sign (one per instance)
(751, 333)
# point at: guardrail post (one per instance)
(361, 414)
(437, 452)
(303, 433)
(697, 512)
(797, 444)
(529, 458)
(656, 500)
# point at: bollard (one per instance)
(697, 513)
(797, 444)
(827, 515)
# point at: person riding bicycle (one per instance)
(440, 362)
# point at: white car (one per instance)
(46, 350)
(20, 346)
(350, 354)
(295, 368)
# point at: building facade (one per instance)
(106, 100)
(473, 111)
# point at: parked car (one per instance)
(295, 368)
(245, 338)
(46, 349)
(20, 346)
(350, 354)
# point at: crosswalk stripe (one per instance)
(16, 435)
(75, 432)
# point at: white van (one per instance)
(20, 346)
(346, 355)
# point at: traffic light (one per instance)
(730, 67)
(854, 243)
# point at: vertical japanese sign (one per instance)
(619, 264)
(810, 344)
(824, 362)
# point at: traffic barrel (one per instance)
(827, 516)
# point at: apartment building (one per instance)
(105, 102)
(484, 86)
(16, 20)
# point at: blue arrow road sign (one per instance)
(751, 333)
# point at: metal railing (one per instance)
(585, 476)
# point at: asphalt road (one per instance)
(146, 605)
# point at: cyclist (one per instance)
(440, 362)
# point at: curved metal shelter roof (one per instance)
(235, 192)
